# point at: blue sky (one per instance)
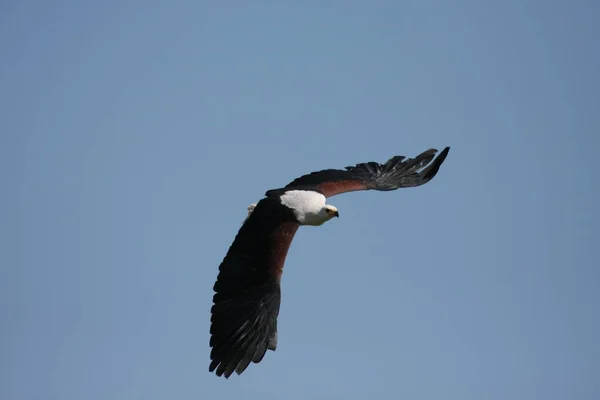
(134, 134)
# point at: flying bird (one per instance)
(247, 290)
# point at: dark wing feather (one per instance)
(247, 290)
(397, 172)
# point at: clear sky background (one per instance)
(133, 135)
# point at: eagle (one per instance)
(247, 291)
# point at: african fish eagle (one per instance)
(247, 290)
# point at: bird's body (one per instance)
(247, 291)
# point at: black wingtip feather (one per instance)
(243, 329)
(399, 171)
(434, 167)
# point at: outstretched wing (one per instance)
(397, 172)
(247, 290)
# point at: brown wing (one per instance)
(397, 172)
(247, 290)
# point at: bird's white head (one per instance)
(319, 216)
(309, 207)
(331, 211)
